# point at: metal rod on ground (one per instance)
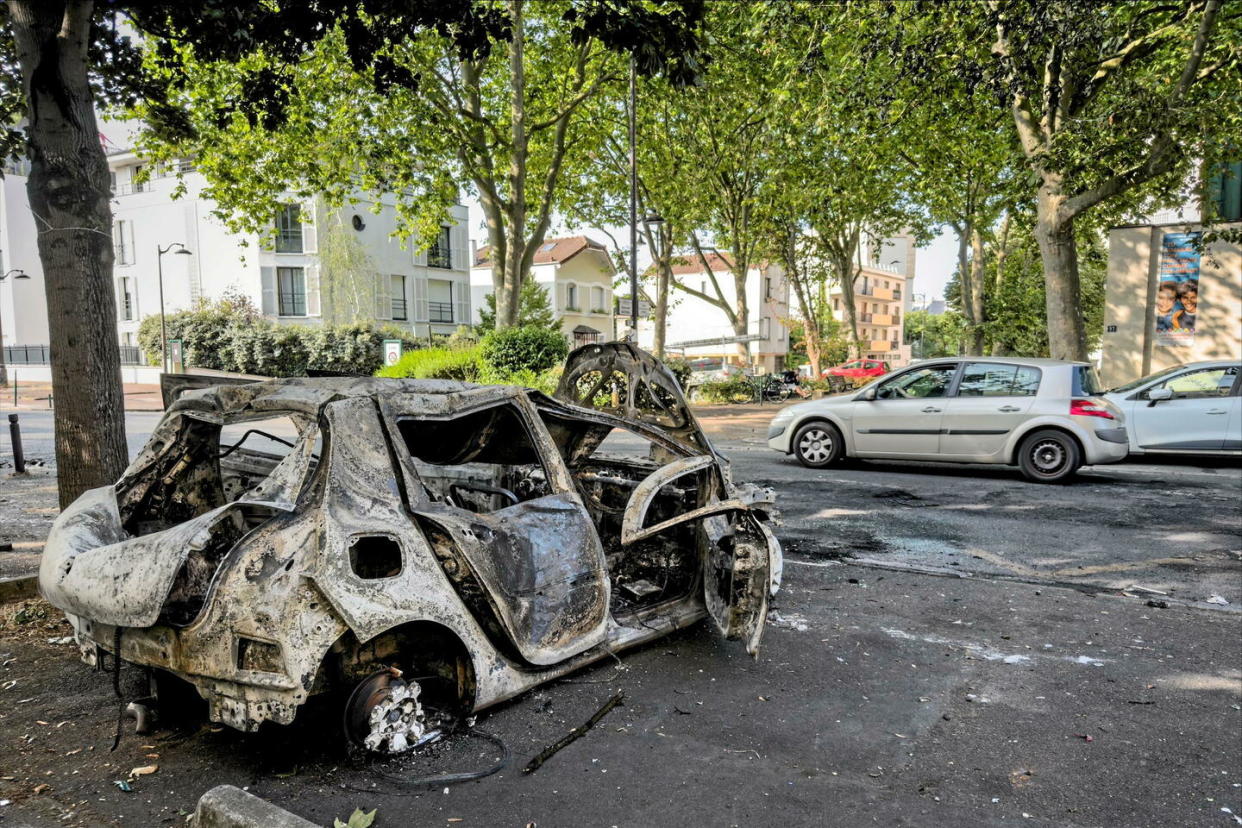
(15, 434)
(577, 733)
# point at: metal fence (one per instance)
(440, 311)
(42, 355)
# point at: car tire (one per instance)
(1049, 456)
(818, 445)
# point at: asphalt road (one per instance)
(951, 646)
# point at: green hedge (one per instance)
(436, 363)
(229, 336)
(528, 357)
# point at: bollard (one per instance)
(15, 432)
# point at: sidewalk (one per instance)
(33, 396)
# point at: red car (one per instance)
(859, 368)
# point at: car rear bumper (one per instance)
(1108, 445)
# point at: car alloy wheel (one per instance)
(817, 445)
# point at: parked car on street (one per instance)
(428, 545)
(1046, 416)
(1194, 408)
(858, 368)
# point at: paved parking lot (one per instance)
(951, 646)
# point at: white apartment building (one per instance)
(283, 273)
(576, 272)
(699, 329)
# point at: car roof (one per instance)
(1043, 362)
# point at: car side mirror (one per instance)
(868, 395)
(1157, 394)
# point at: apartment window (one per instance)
(597, 300)
(571, 297)
(440, 301)
(127, 300)
(123, 242)
(291, 291)
(112, 180)
(399, 310)
(140, 186)
(767, 287)
(289, 229)
(836, 304)
(440, 253)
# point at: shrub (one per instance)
(737, 389)
(681, 370)
(530, 348)
(436, 363)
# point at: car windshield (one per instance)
(1130, 386)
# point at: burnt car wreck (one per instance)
(479, 540)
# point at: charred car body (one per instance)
(480, 539)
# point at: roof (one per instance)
(1045, 362)
(552, 251)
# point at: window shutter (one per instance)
(461, 303)
(561, 296)
(130, 250)
(312, 291)
(267, 276)
(458, 243)
(420, 256)
(120, 299)
(421, 312)
(310, 239)
(383, 299)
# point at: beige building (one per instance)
(881, 297)
(1167, 302)
(577, 274)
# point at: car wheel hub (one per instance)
(384, 715)
(1048, 456)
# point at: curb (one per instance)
(227, 806)
(16, 589)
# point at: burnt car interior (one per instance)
(481, 461)
(199, 465)
(607, 464)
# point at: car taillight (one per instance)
(1090, 408)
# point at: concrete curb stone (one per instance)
(15, 589)
(227, 806)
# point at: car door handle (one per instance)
(931, 409)
(1009, 409)
(1217, 411)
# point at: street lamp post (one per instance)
(182, 251)
(633, 125)
(16, 273)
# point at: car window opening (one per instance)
(197, 465)
(372, 557)
(607, 464)
(482, 461)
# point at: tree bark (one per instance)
(70, 194)
(1054, 232)
(976, 292)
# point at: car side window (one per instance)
(990, 379)
(932, 381)
(1208, 382)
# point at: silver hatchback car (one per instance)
(1044, 415)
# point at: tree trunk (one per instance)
(976, 276)
(70, 195)
(664, 274)
(811, 328)
(507, 299)
(1054, 233)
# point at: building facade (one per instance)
(699, 329)
(576, 272)
(882, 297)
(285, 273)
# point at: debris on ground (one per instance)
(573, 735)
(1217, 599)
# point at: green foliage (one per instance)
(681, 369)
(732, 390)
(935, 335)
(463, 364)
(230, 335)
(534, 309)
(358, 819)
(516, 349)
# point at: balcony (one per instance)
(882, 293)
(441, 312)
(883, 319)
(882, 346)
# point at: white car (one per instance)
(1187, 409)
(1044, 415)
